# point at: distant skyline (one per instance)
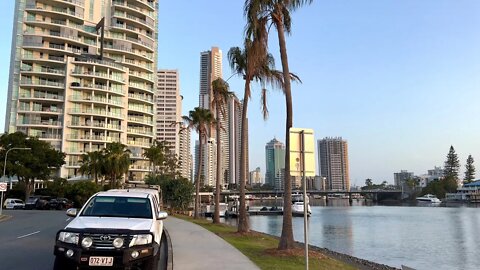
(399, 80)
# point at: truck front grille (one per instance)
(105, 241)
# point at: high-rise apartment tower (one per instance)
(275, 164)
(70, 89)
(169, 109)
(333, 159)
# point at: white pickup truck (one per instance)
(120, 228)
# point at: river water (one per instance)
(419, 237)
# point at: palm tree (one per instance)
(253, 62)
(156, 154)
(201, 120)
(258, 12)
(117, 161)
(220, 97)
(92, 164)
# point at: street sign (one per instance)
(296, 150)
(3, 187)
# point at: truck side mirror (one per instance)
(72, 212)
(162, 215)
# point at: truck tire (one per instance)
(63, 264)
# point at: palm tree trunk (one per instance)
(216, 217)
(286, 239)
(243, 225)
(197, 181)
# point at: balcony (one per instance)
(44, 70)
(133, 8)
(35, 122)
(99, 62)
(104, 75)
(45, 136)
(144, 98)
(132, 52)
(37, 82)
(66, 12)
(140, 131)
(89, 111)
(145, 144)
(140, 120)
(44, 96)
(140, 109)
(88, 137)
(76, 85)
(97, 99)
(94, 125)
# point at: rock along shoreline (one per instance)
(361, 264)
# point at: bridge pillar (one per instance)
(350, 200)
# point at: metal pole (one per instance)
(305, 204)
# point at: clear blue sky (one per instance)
(400, 80)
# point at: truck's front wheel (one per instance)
(152, 263)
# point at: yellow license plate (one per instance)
(100, 261)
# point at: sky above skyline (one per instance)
(399, 80)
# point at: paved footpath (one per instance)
(197, 248)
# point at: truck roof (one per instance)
(124, 193)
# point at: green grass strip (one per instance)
(261, 249)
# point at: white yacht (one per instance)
(298, 206)
(429, 198)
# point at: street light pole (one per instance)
(5, 171)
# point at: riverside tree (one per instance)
(201, 120)
(452, 164)
(277, 12)
(449, 183)
(38, 163)
(220, 97)
(469, 170)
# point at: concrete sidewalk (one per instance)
(197, 248)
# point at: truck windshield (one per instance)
(103, 206)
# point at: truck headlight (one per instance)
(141, 239)
(68, 237)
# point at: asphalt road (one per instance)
(28, 237)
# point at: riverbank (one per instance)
(261, 249)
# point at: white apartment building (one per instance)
(70, 89)
(169, 108)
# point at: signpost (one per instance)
(302, 163)
(3, 188)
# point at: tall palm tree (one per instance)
(117, 161)
(220, 97)
(278, 13)
(200, 120)
(253, 62)
(92, 164)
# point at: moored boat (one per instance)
(429, 198)
(298, 206)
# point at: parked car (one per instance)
(13, 204)
(60, 203)
(37, 202)
(114, 229)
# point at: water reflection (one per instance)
(419, 237)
